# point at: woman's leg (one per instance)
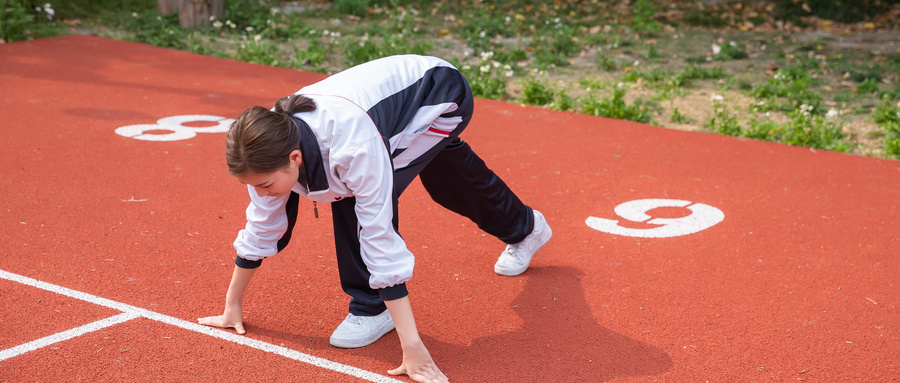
(460, 181)
(364, 300)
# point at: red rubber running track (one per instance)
(754, 261)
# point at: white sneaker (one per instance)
(358, 331)
(516, 258)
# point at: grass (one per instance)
(567, 55)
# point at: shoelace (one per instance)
(512, 249)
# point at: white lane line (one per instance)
(196, 327)
(66, 335)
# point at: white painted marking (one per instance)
(221, 125)
(702, 217)
(196, 327)
(175, 124)
(137, 132)
(66, 335)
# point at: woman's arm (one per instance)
(233, 316)
(417, 362)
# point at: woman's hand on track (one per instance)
(418, 364)
(230, 319)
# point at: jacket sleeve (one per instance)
(267, 224)
(369, 175)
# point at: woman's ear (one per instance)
(296, 157)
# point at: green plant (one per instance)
(614, 106)
(536, 92)
(694, 71)
(562, 102)
(489, 78)
(257, 50)
(644, 19)
(604, 62)
(869, 85)
(351, 7)
(785, 91)
(244, 13)
(161, 31)
(804, 129)
(730, 51)
(723, 121)
(887, 116)
(370, 48)
(679, 118)
(313, 55)
(705, 17)
(15, 17)
(554, 42)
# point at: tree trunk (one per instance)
(165, 7)
(196, 13)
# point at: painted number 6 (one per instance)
(702, 217)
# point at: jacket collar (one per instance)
(316, 178)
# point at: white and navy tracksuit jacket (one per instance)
(376, 127)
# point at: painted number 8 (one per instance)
(702, 217)
(175, 125)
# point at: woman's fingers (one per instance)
(398, 371)
(426, 374)
(221, 322)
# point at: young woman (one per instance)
(357, 140)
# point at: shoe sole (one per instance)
(357, 343)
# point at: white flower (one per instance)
(716, 49)
(467, 67)
(249, 29)
(732, 43)
(485, 56)
(620, 85)
(482, 34)
(212, 18)
(217, 24)
(717, 98)
(257, 38)
(636, 62)
(134, 14)
(509, 73)
(832, 113)
(495, 64)
(485, 68)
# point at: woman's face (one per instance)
(277, 183)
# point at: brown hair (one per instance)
(260, 140)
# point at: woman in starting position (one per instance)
(357, 140)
